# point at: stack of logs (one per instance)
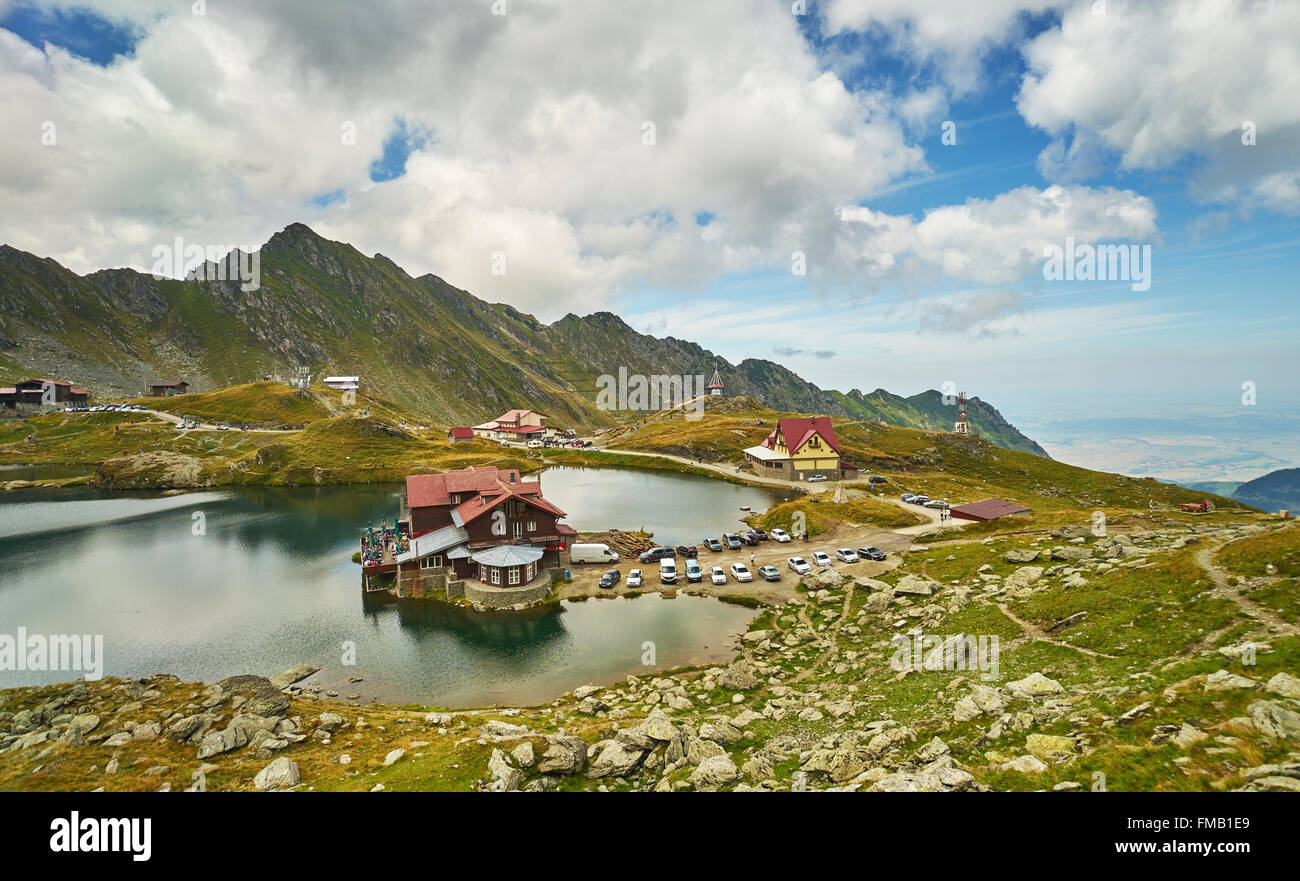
(625, 544)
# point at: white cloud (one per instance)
(1158, 81)
(953, 35)
(223, 127)
(994, 241)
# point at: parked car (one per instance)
(875, 479)
(718, 575)
(740, 572)
(820, 558)
(655, 554)
(907, 497)
(846, 555)
(610, 578)
(712, 544)
(687, 550)
(937, 503)
(762, 536)
(634, 578)
(748, 538)
(817, 478)
(693, 570)
(668, 570)
(920, 500)
(732, 542)
(799, 565)
(592, 553)
(534, 445)
(870, 552)
(769, 573)
(780, 535)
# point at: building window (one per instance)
(431, 562)
(514, 574)
(532, 525)
(519, 529)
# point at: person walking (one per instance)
(751, 558)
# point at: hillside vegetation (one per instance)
(937, 463)
(440, 351)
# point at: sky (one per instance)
(867, 191)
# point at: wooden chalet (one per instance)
(481, 532)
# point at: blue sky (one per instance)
(443, 136)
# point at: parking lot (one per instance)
(586, 576)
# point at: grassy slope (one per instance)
(940, 464)
(1150, 620)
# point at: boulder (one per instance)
(1021, 555)
(1275, 720)
(294, 674)
(739, 677)
(505, 778)
(1282, 683)
(279, 774)
(614, 760)
(982, 701)
(1032, 686)
(915, 585)
(1025, 765)
(563, 755)
(715, 771)
(261, 698)
(1222, 680)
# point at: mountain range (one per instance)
(420, 341)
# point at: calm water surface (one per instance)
(268, 582)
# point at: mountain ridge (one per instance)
(437, 348)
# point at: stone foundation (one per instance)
(504, 597)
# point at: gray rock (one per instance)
(615, 760)
(279, 774)
(1275, 720)
(505, 778)
(294, 674)
(715, 771)
(1032, 686)
(1284, 684)
(1021, 555)
(1222, 680)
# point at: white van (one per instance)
(592, 553)
(668, 570)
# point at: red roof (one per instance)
(80, 391)
(459, 433)
(987, 509)
(796, 433)
(424, 490)
(529, 493)
(8, 391)
(488, 486)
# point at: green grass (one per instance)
(1251, 556)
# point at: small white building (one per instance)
(343, 383)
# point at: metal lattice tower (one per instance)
(962, 426)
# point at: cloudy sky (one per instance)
(863, 192)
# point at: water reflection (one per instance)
(270, 583)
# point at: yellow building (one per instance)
(798, 449)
